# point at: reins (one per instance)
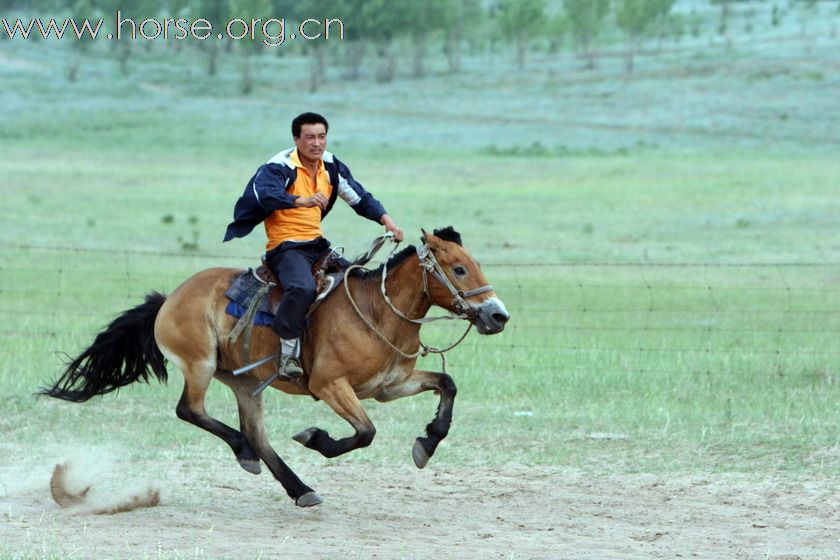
(430, 266)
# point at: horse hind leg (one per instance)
(197, 377)
(438, 428)
(250, 464)
(252, 425)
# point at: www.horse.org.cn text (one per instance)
(271, 32)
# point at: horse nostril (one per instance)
(500, 317)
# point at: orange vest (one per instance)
(299, 224)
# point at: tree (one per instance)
(427, 17)
(384, 21)
(665, 22)
(354, 44)
(458, 16)
(316, 49)
(520, 21)
(775, 15)
(6, 7)
(806, 12)
(586, 18)
(214, 11)
(176, 9)
(248, 10)
(636, 18)
(81, 10)
(556, 29)
(135, 12)
(725, 12)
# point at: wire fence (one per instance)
(643, 317)
(191, 255)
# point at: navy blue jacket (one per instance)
(267, 191)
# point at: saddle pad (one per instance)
(245, 287)
(261, 319)
(242, 290)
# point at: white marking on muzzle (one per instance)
(499, 303)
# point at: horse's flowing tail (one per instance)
(121, 354)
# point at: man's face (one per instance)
(312, 141)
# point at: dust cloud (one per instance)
(94, 482)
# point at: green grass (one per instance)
(697, 367)
(647, 271)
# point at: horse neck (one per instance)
(405, 288)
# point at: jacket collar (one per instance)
(285, 158)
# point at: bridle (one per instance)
(430, 265)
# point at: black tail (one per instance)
(121, 354)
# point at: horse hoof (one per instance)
(421, 458)
(250, 465)
(308, 500)
(304, 436)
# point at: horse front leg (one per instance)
(341, 397)
(437, 429)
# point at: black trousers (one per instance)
(292, 262)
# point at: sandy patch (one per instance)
(71, 488)
(442, 512)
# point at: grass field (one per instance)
(646, 320)
(667, 247)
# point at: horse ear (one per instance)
(431, 239)
(425, 236)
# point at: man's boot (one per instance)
(289, 360)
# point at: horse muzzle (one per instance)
(491, 316)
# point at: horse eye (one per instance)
(459, 270)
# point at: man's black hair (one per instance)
(308, 118)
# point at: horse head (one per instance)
(454, 281)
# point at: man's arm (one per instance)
(389, 224)
(269, 187)
(264, 193)
(363, 202)
(353, 193)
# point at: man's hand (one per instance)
(319, 199)
(391, 226)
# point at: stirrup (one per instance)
(289, 369)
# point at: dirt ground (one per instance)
(510, 512)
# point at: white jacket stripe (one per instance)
(346, 192)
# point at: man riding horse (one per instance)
(377, 317)
(291, 194)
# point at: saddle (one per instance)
(255, 296)
(324, 272)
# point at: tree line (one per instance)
(380, 38)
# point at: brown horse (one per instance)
(361, 342)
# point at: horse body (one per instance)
(344, 359)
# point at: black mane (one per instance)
(449, 234)
(395, 260)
